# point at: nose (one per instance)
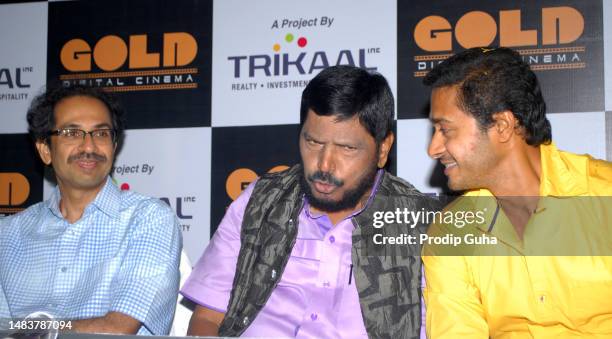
(88, 143)
(436, 146)
(326, 159)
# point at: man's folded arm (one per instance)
(205, 322)
(146, 288)
(112, 323)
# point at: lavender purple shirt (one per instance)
(316, 296)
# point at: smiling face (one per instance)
(459, 144)
(80, 164)
(340, 160)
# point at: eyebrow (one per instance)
(104, 124)
(307, 136)
(357, 144)
(98, 126)
(438, 120)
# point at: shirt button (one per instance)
(273, 274)
(332, 239)
(245, 321)
(542, 299)
(313, 316)
(64, 269)
(326, 283)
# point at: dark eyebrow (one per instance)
(103, 125)
(356, 145)
(307, 136)
(98, 126)
(71, 125)
(439, 120)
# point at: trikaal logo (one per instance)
(126, 64)
(13, 82)
(14, 191)
(240, 178)
(289, 38)
(546, 45)
(123, 186)
(286, 61)
(176, 203)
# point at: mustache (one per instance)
(326, 178)
(86, 156)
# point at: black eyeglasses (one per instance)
(101, 136)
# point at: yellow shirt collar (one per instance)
(563, 174)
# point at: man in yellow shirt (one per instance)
(548, 273)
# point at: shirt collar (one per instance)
(53, 202)
(377, 181)
(562, 174)
(107, 201)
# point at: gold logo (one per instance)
(129, 65)
(560, 25)
(14, 189)
(240, 178)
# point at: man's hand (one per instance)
(205, 322)
(112, 322)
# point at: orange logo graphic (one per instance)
(112, 53)
(14, 191)
(240, 178)
(560, 25)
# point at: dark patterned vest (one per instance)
(387, 277)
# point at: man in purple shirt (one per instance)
(290, 256)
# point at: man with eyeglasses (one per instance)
(100, 259)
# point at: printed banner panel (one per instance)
(582, 133)
(21, 174)
(607, 26)
(561, 41)
(414, 165)
(23, 63)
(156, 54)
(241, 154)
(263, 62)
(609, 136)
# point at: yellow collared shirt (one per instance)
(528, 296)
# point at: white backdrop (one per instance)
(256, 32)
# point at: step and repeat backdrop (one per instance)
(212, 88)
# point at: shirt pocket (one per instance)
(309, 249)
(299, 277)
(303, 265)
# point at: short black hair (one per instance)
(41, 114)
(346, 91)
(495, 80)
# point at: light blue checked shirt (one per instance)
(122, 255)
